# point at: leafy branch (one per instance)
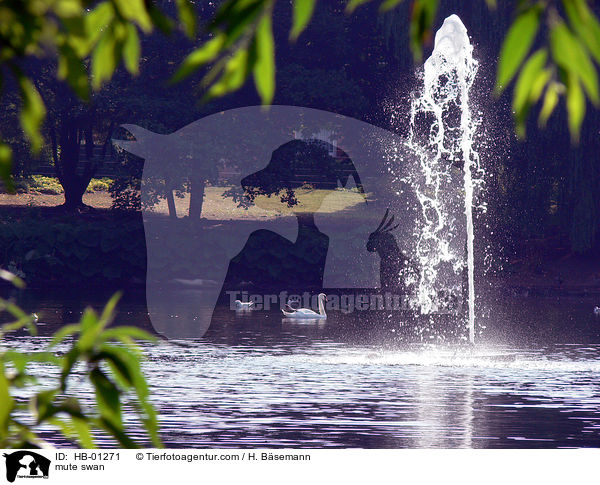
(111, 360)
(563, 67)
(89, 40)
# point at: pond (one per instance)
(255, 380)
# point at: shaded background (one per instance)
(542, 218)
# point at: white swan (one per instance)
(597, 311)
(243, 305)
(307, 312)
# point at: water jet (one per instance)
(442, 137)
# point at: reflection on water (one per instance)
(255, 381)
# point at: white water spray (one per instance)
(441, 136)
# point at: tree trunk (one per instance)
(171, 204)
(68, 132)
(196, 198)
(66, 161)
(74, 196)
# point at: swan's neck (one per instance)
(322, 306)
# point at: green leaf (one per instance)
(538, 85)
(237, 20)
(550, 102)
(126, 369)
(199, 57)
(7, 402)
(91, 327)
(235, 15)
(107, 397)
(117, 432)
(423, 15)
(516, 45)
(82, 428)
(354, 4)
(162, 22)
(135, 11)
(187, 16)
(533, 68)
(108, 312)
(69, 361)
(24, 322)
(303, 11)
(71, 406)
(131, 50)
(72, 69)
(116, 333)
(12, 278)
(119, 368)
(6, 167)
(63, 333)
(585, 25)
(42, 405)
(104, 60)
(68, 8)
(97, 21)
(33, 112)
(21, 359)
(264, 66)
(22, 319)
(235, 72)
(389, 5)
(575, 106)
(571, 56)
(13, 309)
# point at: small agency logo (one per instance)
(26, 464)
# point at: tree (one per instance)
(71, 124)
(88, 39)
(239, 42)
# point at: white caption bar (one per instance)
(410, 466)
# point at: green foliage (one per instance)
(423, 16)
(303, 11)
(240, 43)
(41, 184)
(99, 185)
(110, 361)
(85, 36)
(564, 68)
(91, 39)
(517, 44)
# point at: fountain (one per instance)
(442, 130)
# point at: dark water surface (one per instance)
(255, 380)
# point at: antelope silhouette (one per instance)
(394, 265)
